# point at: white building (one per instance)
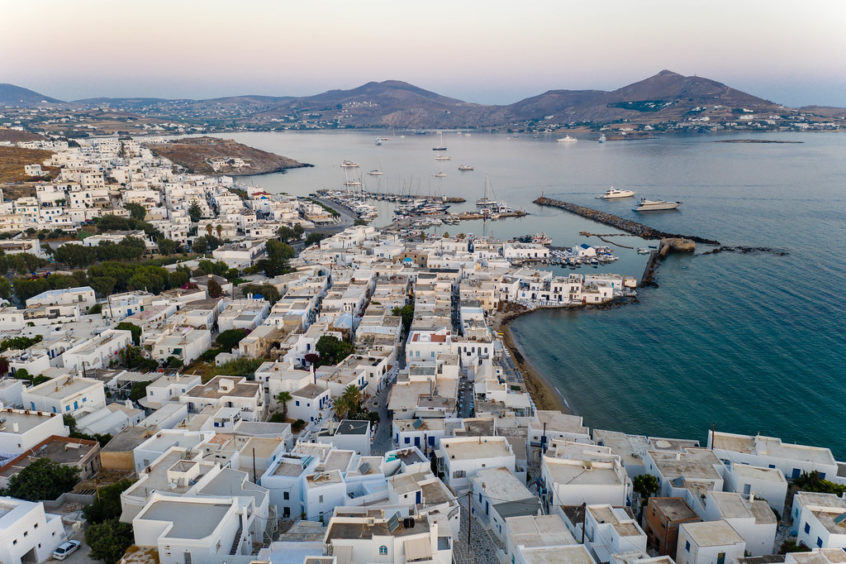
(463, 457)
(709, 542)
(228, 391)
(770, 452)
(497, 495)
(27, 533)
(65, 395)
(307, 402)
(97, 352)
(577, 479)
(763, 483)
(821, 520)
(609, 530)
(20, 430)
(751, 518)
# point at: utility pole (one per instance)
(584, 519)
(469, 516)
(255, 478)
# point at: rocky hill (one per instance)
(11, 95)
(662, 98)
(212, 156)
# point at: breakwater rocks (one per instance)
(633, 227)
(747, 250)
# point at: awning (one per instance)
(418, 549)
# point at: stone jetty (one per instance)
(633, 227)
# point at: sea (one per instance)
(749, 343)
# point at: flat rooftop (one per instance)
(758, 473)
(569, 554)
(361, 529)
(712, 533)
(501, 485)
(475, 447)
(213, 389)
(574, 472)
(190, 520)
(673, 508)
(25, 420)
(538, 530)
(63, 386)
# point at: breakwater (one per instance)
(627, 225)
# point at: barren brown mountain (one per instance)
(197, 153)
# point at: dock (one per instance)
(627, 225)
(393, 197)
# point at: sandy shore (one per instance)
(544, 394)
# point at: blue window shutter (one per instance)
(687, 545)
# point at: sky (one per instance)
(490, 51)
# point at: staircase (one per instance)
(237, 540)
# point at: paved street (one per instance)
(483, 545)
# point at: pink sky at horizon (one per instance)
(785, 51)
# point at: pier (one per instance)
(390, 197)
(627, 225)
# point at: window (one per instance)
(819, 541)
(286, 496)
(320, 499)
(407, 440)
(383, 550)
(687, 546)
(807, 528)
(459, 474)
(297, 402)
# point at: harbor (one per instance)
(627, 225)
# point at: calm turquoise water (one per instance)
(753, 343)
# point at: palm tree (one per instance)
(349, 403)
(283, 398)
(209, 228)
(219, 229)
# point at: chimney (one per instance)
(751, 496)
(15, 427)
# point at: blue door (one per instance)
(487, 507)
(417, 441)
(796, 473)
(76, 405)
(419, 497)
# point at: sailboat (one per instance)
(441, 146)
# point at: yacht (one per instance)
(440, 175)
(375, 172)
(613, 193)
(442, 158)
(602, 138)
(378, 140)
(440, 146)
(349, 164)
(655, 205)
(567, 139)
(465, 167)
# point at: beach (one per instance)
(545, 396)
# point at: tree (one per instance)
(174, 362)
(132, 328)
(215, 291)
(209, 229)
(109, 540)
(167, 246)
(5, 288)
(313, 238)
(136, 211)
(359, 221)
(138, 390)
(349, 405)
(200, 245)
(267, 291)
(332, 350)
(645, 485)
(43, 479)
(407, 314)
(106, 504)
(283, 398)
(230, 338)
(278, 254)
(4, 365)
(219, 229)
(195, 212)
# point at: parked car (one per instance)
(66, 549)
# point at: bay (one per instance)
(751, 343)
